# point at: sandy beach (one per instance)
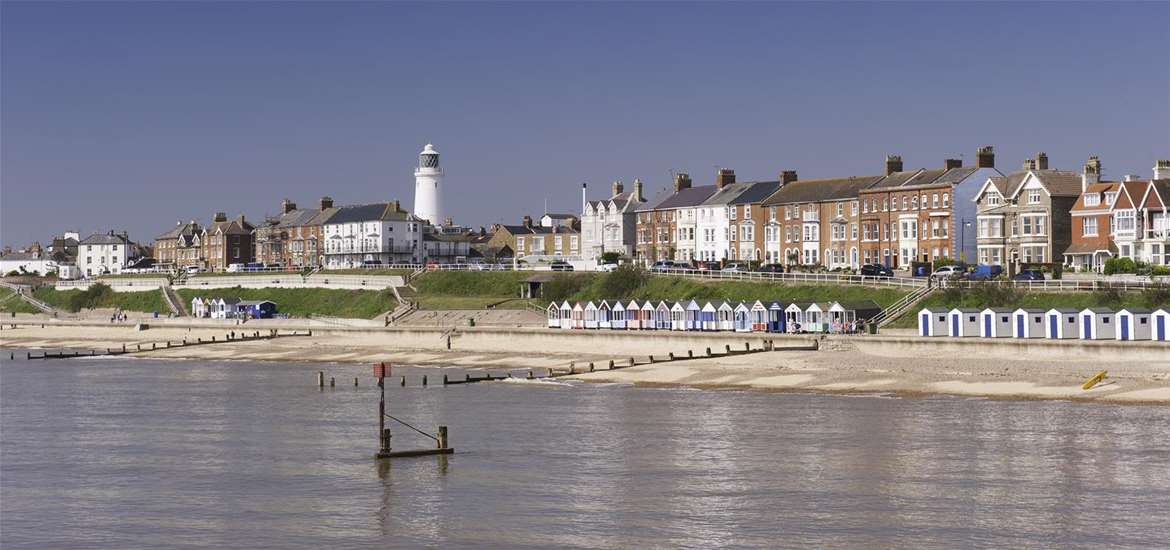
(889, 365)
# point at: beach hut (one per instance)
(708, 316)
(996, 323)
(759, 317)
(578, 315)
(1161, 330)
(1097, 324)
(618, 322)
(862, 309)
(604, 315)
(200, 307)
(816, 317)
(566, 315)
(775, 317)
(678, 316)
(963, 322)
(554, 315)
(794, 318)
(648, 315)
(662, 316)
(840, 318)
(1062, 324)
(591, 315)
(742, 318)
(1028, 323)
(932, 323)
(256, 309)
(1134, 324)
(725, 315)
(633, 316)
(694, 314)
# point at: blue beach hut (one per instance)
(1097, 324)
(775, 317)
(964, 323)
(1161, 330)
(1028, 323)
(1134, 324)
(995, 323)
(662, 316)
(708, 317)
(694, 314)
(604, 315)
(743, 321)
(932, 323)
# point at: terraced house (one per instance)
(179, 247)
(292, 238)
(377, 233)
(548, 239)
(225, 242)
(609, 225)
(666, 226)
(1024, 217)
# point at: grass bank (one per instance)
(11, 303)
(101, 296)
(303, 302)
(980, 298)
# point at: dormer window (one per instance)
(1092, 199)
(993, 198)
(1110, 197)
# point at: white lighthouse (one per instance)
(427, 178)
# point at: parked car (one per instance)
(607, 267)
(876, 270)
(771, 268)
(193, 269)
(947, 272)
(664, 265)
(234, 268)
(734, 267)
(371, 263)
(561, 266)
(984, 272)
(1029, 275)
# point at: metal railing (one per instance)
(1059, 285)
(900, 307)
(832, 278)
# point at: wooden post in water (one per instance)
(404, 381)
(424, 379)
(442, 437)
(332, 382)
(355, 383)
(320, 379)
(444, 379)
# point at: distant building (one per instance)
(291, 239)
(179, 247)
(31, 262)
(104, 253)
(609, 225)
(1024, 217)
(381, 232)
(447, 248)
(538, 241)
(225, 242)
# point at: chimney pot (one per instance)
(1162, 169)
(220, 217)
(287, 206)
(1041, 161)
(986, 156)
(638, 190)
(893, 164)
(682, 180)
(527, 221)
(326, 203)
(953, 163)
(618, 188)
(724, 177)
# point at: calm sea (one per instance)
(120, 453)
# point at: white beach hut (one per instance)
(1097, 324)
(566, 315)
(591, 315)
(995, 323)
(554, 315)
(678, 316)
(604, 315)
(816, 317)
(618, 322)
(759, 317)
(742, 318)
(662, 316)
(648, 315)
(839, 318)
(794, 318)
(578, 315)
(964, 322)
(932, 323)
(1134, 324)
(1063, 324)
(1028, 323)
(694, 314)
(1161, 330)
(709, 316)
(726, 316)
(199, 307)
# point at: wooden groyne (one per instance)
(228, 338)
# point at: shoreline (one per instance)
(910, 366)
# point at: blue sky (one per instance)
(134, 115)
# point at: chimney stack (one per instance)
(638, 190)
(448, 221)
(1162, 169)
(953, 163)
(397, 206)
(220, 217)
(287, 206)
(787, 177)
(1091, 173)
(1041, 161)
(1029, 164)
(241, 219)
(893, 164)
(724, 177)
(326, 203)
(527, 221)
(682, 180)
(986, 156)
(617, 188)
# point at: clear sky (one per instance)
(134, 115)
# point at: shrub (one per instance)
(563, 286)
(939, 262)
(1107, 297)
(1157, 296)
(1120, 265)
(611, 257)
(1160, 270)
(623, 281)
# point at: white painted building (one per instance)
(27, 262)
(104, 254)
(428, 177)
(608, 225)
(369, 233)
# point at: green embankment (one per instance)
(101, 296)
(303, 302)
(11, 303)
(984, 298)
(469, 289)
(371, 272)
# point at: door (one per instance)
(955, 325)
(925, 324)
(987, 326)
(1125, 327)
(1160, 328)
(1052, 321)
(1087, 322)
(1020, 326)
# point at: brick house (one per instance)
(225, 242)
(179, 247)
(659, 222)
(552, 240)
(292, 238)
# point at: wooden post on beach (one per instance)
(747, 346)
(690, 354)
(468, 378)
(355, 383)
(444, 379)
(530, 374)
(591, 366)
(442, 437)
(651, 358)
(631, 361)
(671, 355)
(708, 351)
(403, 382)
(332, 383)
(611, 364)
(728, 346)
(320, 379)
(123, 348)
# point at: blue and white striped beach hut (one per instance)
(618, 321)
(678, 316)
(726, 316)
(743, 321)
(604, 315)
(694, 314)
(709, 316)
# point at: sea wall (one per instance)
(1107, 351)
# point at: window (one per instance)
(946, 200)
(906, 202)
(1033, 196)
(1110, 197)
(787, 213)
(853, 207)
(885, 203)
(865, 207)
(840, 209)
(853, 231)
(1124, 220)
(731, 212)
(1089, 226)
(914, 203)
(1092, 199)
(993, 198)
(520, 243)
(934, 200)
(772, 214)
